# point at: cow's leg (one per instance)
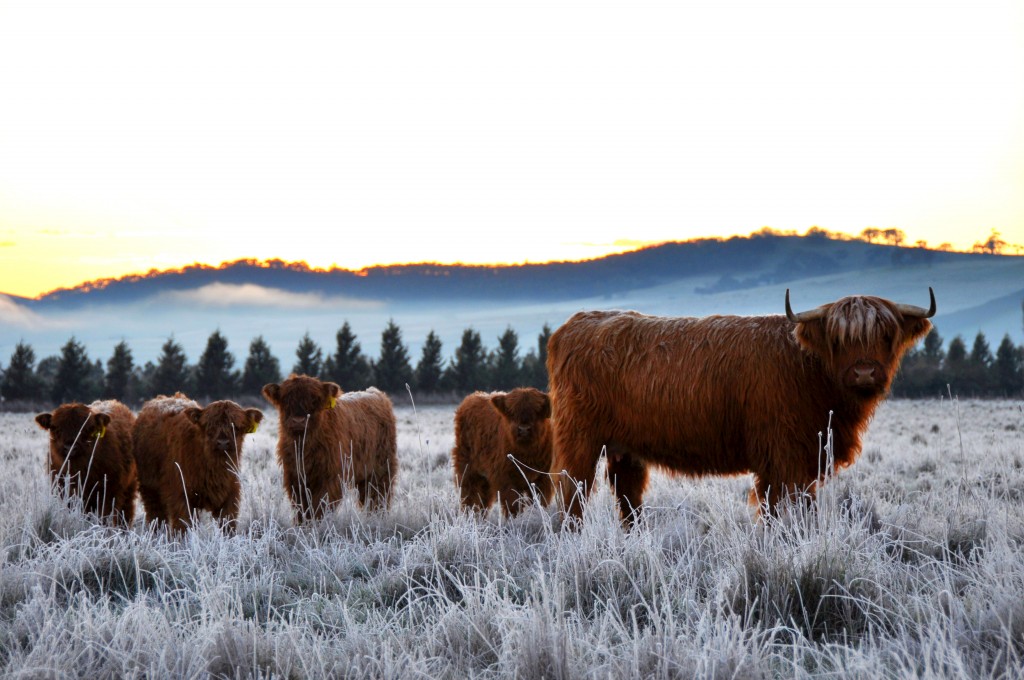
(545, 488)
(577, 449)
(374, 494)
(125, 512)
(513, 498)
(628, 477)
(771, 487)
(153, 504)
(178, 518)
(476, 491)
(227, 514)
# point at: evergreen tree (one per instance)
(979, 366)
(1008, 369)
(348, 367)
(72, 380)
(96, 380)
(261, 367)
(142, 380)
(172, 371)
(46, 374)
(535, 370)
(506, 373)
(932, 348)
(920, 371)
(309, 358)
(215, 377)
(430, 369)
(392, 370)
(467, 373)
(20, 380)
(117, 383)
(956, 355)
(954, 368)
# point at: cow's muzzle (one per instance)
(297, 425)
(523, 433)
(865, 375)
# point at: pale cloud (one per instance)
(251, 295)
(16, 315)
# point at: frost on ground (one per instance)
(911, 566)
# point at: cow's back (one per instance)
(367, 431)
(157, 437)
(678, 391)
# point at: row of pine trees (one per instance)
(927, 371)
(74, 376)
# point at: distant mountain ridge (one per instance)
(732, 264)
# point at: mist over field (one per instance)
(912, 565)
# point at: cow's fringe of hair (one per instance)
(861, 320)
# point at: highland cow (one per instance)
(91, 456)
(503, 448)
(189, 459)
(722, 394)
(328, 440)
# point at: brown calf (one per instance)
(503, 448)
(91, 450)
(327, 438)
(189, 458)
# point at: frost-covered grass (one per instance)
(911, 566)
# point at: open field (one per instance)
(911, 566)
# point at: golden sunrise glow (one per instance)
(367, 133)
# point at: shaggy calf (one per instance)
(327, 438)
(503, 448)
(722, 394)
(91, 448)
(189, 458)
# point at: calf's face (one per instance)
(224, 425)
(525, 411)
(301, 402)
(74, 430)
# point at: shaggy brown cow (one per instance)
(488, 429)
(189, 459)
(91, 448)
(721, 394)
(328, 439)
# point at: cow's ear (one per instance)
(500, 404)
(915, 328)
(253, 418)
(44, 420)
(331, 392)
(811, 336)
(100, 422)
(545, 409)
(194, 414)
(272, 392)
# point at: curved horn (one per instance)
(802, 316)
(921, 312)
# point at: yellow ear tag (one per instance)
(331, 403)
(255, 426)
(98, 434)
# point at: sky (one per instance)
(140, 135)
